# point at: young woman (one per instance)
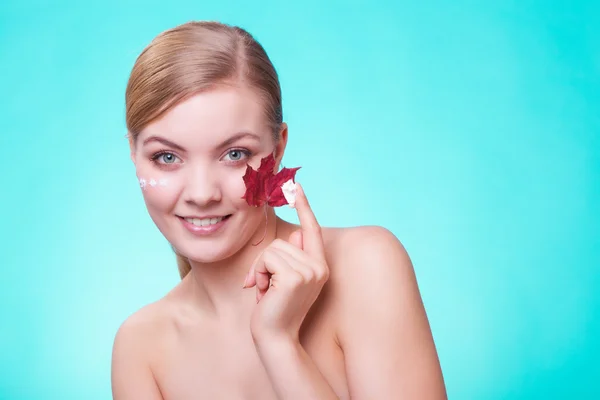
(265, 309)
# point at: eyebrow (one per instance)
(231, 140)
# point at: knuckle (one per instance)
(296, 279)
(322, 274)
(268, 255)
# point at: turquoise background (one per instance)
(469, 129)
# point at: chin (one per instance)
(204, 251)
(211, 255)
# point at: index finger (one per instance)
(311, 230)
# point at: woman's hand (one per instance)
(288, 277)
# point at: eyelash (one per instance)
(157, 155)
(246, 152)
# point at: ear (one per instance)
(131, 147)
(280, 148)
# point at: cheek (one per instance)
(234, 188)
(159, 190)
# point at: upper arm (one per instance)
(131, 376)
(383, 328)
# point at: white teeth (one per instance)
(204, 221)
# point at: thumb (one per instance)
(296, 239)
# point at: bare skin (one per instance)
(183, 353)
(355, 328)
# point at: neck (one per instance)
(217, 287)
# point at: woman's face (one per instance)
(190, 165)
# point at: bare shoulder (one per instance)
(136, 345)
(143, 327)
(368, 264)
(370, 267)
(365, 248)
(381, 323)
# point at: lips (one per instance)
(204, 226)
(206, 221)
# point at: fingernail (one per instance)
(246, 281)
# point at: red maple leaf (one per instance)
(264, 187)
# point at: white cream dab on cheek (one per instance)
(152, 183)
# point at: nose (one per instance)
(202, 187)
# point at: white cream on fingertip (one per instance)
(289, 190)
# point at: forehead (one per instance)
(211, 116)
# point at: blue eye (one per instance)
(236, 155)
(166, 157)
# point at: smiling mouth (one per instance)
(205, 221)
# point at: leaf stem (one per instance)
(266, 222)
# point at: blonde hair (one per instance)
(192, 58)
